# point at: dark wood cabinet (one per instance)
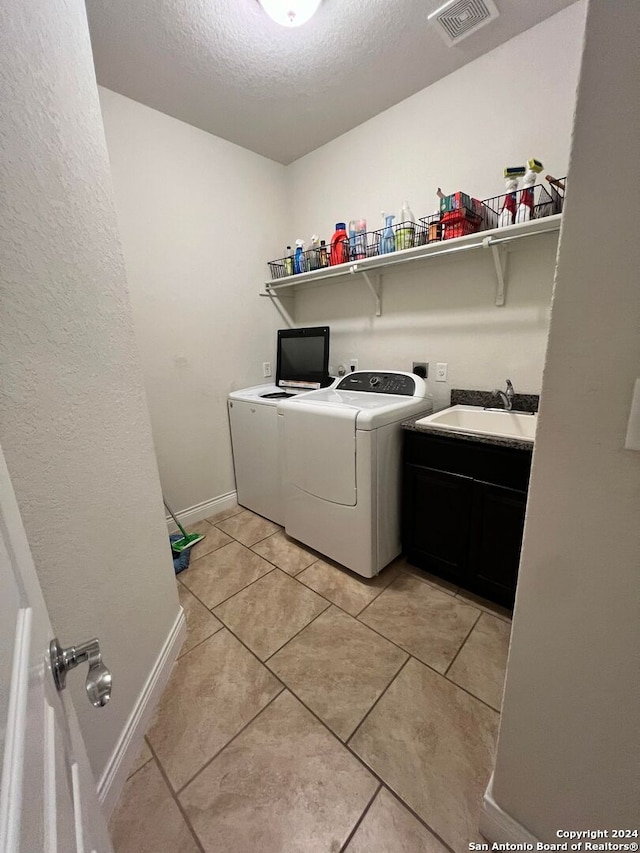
(463, 511)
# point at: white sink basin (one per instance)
(473, 419)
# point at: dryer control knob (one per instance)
(375, 380)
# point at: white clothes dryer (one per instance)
(340, 450)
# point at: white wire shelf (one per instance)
(496, 239)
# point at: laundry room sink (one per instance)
(490, 422)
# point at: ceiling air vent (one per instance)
(458, 19)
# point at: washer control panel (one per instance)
(380, 383)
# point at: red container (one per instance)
(459, 223)
(339, 245)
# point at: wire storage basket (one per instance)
(520, 206)
(278, 268)
(395, 238)
(557, 190)
(460, 216)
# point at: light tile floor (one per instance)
(313, 711)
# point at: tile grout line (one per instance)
(273, 533)
(397, 673)
(360, 819)
(436, 835)
(483, 607)
(276, 569)
(353, 615)
(224, 600)
(131, 775)
(173, 796)
(200, 770)
(304, 627)
(462, 645)
(432, 581)
(200, 642)
(299, 572)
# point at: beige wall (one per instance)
(199, 217)
(511, 104)
(74, 424)
(569, 747)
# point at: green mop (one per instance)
(188, 539)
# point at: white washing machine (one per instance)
(341, 453)
(253, 418)
(302, 364)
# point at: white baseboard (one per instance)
(130, 741)
(203, 510)
(498, 826)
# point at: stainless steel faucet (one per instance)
(506, 397)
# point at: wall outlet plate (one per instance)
(353, 364)
(442, 368)
(266, 368)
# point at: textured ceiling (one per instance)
(224, 66)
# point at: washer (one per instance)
(253, 417)
(341, 465)
(302, 364)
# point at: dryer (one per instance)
(340, 451)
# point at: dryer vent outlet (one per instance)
(457, 19)
(421, 368)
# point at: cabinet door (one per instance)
(436, 521)
(496, 540)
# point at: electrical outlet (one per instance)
(421, 368)
(266, 368)
(441, 371)
(353, 364)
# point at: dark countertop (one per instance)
(460, 397)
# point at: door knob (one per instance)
(98, 684)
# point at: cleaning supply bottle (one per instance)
(339, 245)
(388, 239)
(299, 260)
(352, 240)
(406, 232)
(360, 239)
(323, 255)
(314, 253)
(288, 261)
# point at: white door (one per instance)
(48, 796)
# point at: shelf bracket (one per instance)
(499, 261)
(376, 289)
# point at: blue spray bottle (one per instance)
(388, 239)
(299, 260)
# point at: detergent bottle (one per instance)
(339, 245)
(406, 231)
(388, 239)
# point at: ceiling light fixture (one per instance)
(290, 13)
